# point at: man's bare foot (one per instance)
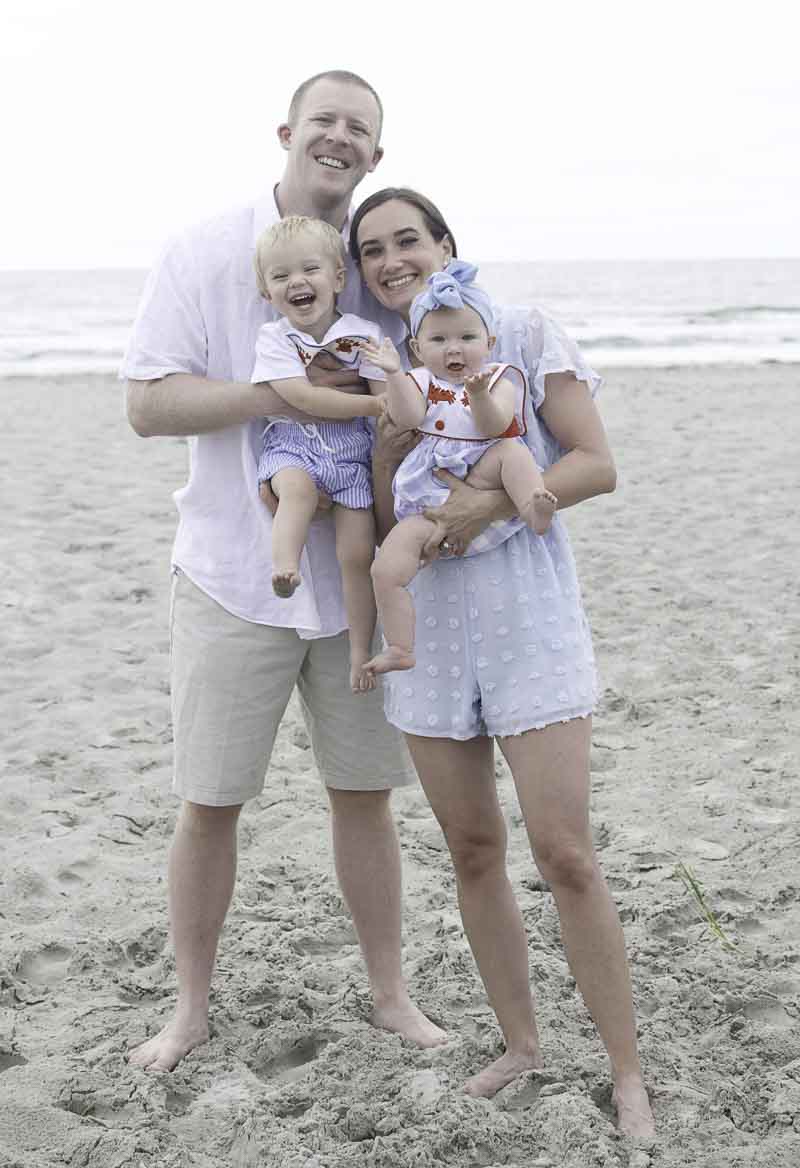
(362, 679)
(168, 1047)
(392, 658)
(540, 510)
(502, 1072)
(407, 1020)
(285, 584)
(634, 1117)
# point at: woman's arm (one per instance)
(325, 402)
(587, 469)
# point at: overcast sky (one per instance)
(574, 131)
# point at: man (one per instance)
(237, 650)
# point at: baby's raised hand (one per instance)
(478, 383)
(385, 356)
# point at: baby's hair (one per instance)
(297, 227)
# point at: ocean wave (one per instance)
(743, 312)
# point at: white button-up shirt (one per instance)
(200, 313)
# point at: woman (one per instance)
(539, 703)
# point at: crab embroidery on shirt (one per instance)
(345, 345)
(305, 357)
(437, 394)
(465, 399)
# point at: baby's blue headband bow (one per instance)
(452, 288)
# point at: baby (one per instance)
(300, 268)
(471, 418)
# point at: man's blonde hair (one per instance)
(295, 227)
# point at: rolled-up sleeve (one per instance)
(169, 334)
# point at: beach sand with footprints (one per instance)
(690, 575)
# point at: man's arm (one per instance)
(183, 404)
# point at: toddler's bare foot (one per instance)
(165, 1050)
(362, 679)
(540, 510)
(404, 1018)
(502, 1072)
(392, 658)
(634, 1117)
(284, 584)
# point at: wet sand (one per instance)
(690, 579)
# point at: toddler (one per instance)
(471, 418)
(300, 268)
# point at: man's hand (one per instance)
(326, 370)
(466, 513)
(324, 502)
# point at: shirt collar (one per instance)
(266, 212)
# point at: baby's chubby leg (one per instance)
(395, 566)
(297, 501)
(355, 548)
(510, 465)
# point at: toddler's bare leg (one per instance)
(355, 547)
(395, 566)
(297, 502)
(511, 465)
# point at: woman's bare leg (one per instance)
(511, 465)
(394, 567)
(459, 781)
(551, 774)
(297, 501)
(355, 548)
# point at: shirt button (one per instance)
(439, 425)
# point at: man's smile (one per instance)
(329, 160)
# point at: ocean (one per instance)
(656, 313)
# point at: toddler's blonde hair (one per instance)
(296, 227)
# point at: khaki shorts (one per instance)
(231, 682)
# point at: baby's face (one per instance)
(453, 343)
(302, 280)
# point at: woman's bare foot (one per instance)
(164, 1051)
(502, 1072)
(634, 1117)
(407, 1020)
(285, 584)
(392, 658)
(540, 510)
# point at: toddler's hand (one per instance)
(478, 383)
(385, 356)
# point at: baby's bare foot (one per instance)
(284, 584)
(634, 1117)
(540, 510)
(164, 1051)
(502, 1072)
(392, 658)
(407, 1020)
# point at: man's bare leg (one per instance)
(202, 871)
(367, 857)
(297, 501)
(355, 548)
(395, 566)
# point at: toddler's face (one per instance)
(453, 343)
(302, 281)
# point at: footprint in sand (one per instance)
(45, 966)
(293, 1061)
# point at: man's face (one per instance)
(334, 141)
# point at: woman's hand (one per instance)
(466, 513)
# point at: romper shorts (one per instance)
(502, 643)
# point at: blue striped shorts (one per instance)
(335, 455)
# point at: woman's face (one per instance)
(398, 253)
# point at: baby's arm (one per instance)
(405, 401)
(492, 410)
(323, 402)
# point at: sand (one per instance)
(690, 578)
